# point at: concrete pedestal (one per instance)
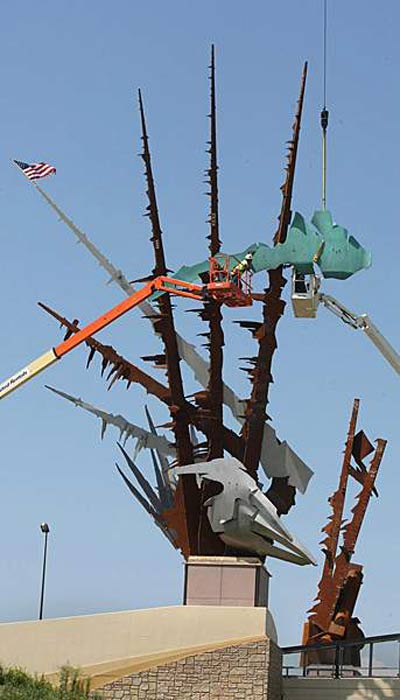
(238, 581)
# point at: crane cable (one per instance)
(324, 113)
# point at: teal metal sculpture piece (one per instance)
(323, 243)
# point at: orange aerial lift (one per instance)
(221, 287)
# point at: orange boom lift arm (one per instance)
(226, 291)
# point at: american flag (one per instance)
(34, 171)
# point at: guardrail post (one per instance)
(339, 647)
(398, 669)
(337, 653)
(371, 655)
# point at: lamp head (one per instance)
(45, 528)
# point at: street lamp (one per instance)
(45, 529)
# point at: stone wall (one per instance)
(251, 671)
(90, 641)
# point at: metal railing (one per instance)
(338, 669)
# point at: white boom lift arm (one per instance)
(364, 322)
(306, 298)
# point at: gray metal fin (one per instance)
(147, 507)
(142, 481)
(125, 427)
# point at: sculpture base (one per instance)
(238, 581)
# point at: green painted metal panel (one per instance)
(322, 243)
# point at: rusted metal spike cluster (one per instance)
(123, 369)
(273, 308)
(120, 368)
(198, 417)
(331, 616)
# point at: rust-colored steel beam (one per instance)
(352, 529)
(287, 187)
(326, 594)
(190, 496)
(166, 326)
(273, 309)
(212, 309)
(261, 375)
(337, 501)
(119, 368)
(212, 172)
(160, 266)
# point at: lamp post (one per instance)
(45, 529)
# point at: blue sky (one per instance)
(69, 76)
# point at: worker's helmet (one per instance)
(249, 256)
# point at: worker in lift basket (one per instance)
(246, 265)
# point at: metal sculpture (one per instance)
(331, 618)
(184, 519)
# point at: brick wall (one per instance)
(245, 672)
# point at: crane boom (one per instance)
(364, 322)
(159, 284)
(225, 291)
(380, 342)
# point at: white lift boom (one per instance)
(306, 298)
(364, 322)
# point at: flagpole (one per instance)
(116, 275)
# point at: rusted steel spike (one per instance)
(190, 492)
(132, 373)
(253, 428)
(273, 309)
(212, 309)
(287, 187)
(337, 500)
(160, 267)
(326, 587)
(359, 476)
(215, 383)
(252, 326)
(232, 441)
(215, 243)
(166, 323)
(352, 529)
